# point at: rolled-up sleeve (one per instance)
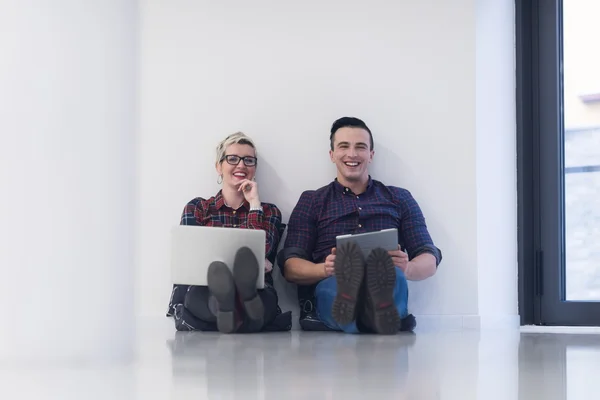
(415, 235)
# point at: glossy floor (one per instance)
(301, 365)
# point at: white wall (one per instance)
(496, 163)
(67, 128)
(283, 72)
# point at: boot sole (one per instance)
(245, 275)
(380, 283)
(349, 272)
(221, 285)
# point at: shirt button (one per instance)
(235, 226)
(233, 211)
(359, 225)
(357, 197)
(359, 208)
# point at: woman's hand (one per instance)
(250, 190)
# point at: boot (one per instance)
(222, 287)
(380, 313)
(349, 272)
(245, 275)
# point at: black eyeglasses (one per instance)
(231, 159)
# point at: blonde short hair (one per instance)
(234, 138)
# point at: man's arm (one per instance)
(421, 267)
(424, 256)
(303, 272)
(295, 259)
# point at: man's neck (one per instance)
(233, 198)
(357, 187)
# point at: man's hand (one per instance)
(399, 258)
(329, 264)
(268, 266)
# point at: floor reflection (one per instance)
(450, 365)
(315, 365)
(558, 366)
(301, 365)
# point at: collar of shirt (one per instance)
(220, 202)
(343, 189)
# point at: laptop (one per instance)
(193, 248)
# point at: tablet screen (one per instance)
(387, 239)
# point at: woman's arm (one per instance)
(269, 220)
(193, 212)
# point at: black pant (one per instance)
(196, 313)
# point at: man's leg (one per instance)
(325, 294)
(349, 272)
(401, 294)
(386, 294)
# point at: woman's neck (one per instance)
(233, 198)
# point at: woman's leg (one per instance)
(197, 301)
(193, 313)
(245, 275)
(221, 285)
(239, 307)
(269, 299)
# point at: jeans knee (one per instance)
(327, 286)
(400, 279)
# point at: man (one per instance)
(354, 294)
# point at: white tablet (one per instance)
(193, 248)
(387, 239)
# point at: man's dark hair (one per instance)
(351, 122)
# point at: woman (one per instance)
(231, 302)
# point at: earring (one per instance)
(220, 179)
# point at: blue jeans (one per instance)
(326, 291)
